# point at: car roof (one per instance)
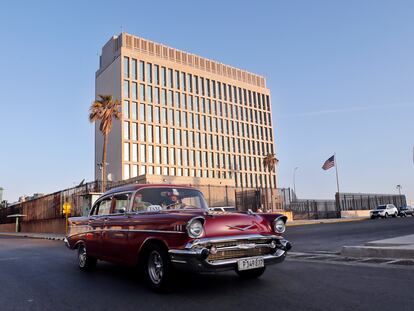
(134, 187)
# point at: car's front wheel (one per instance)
(251, 274)
(85, 262)
(395, 214)
(158, 269)
(386, 215)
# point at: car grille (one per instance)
(239, 253)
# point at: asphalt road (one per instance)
(331, 237)
(42, 275)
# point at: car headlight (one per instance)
(279, 226)
(195, 228)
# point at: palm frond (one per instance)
(104, 109)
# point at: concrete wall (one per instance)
(357, 213)
(38, 226)
(8, 227)
(44, 226)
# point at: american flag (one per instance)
(329, 163)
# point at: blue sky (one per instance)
(340, 73)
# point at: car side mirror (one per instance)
(122, 210)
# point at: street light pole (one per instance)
(399, 189)
(294, 180)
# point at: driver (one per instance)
(171, 202)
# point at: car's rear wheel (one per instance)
(158, 269)
(85, 262)
(251, 274)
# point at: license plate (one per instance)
(250, 263)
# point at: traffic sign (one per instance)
(66, 208)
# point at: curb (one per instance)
(378, 252)
(28, 235)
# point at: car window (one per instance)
(104, 207)
(138, 205)
(157, 199)
(121, 202)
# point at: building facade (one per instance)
(183, 115)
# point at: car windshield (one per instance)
(381, 207)
(158, 199)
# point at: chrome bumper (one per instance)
(65, 240)
(194, 256)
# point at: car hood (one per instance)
(223, 224)
(219, 223)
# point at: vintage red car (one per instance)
(164, 228)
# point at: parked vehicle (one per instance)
(165, 228)
(384, 211)
(405, 211)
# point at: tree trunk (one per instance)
(103, 177)
(271, 194)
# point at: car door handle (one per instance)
(106, 218)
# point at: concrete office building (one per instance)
(183, 116)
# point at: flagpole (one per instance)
(337, 180)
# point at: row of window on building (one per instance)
(186, 82)
(193, 158)
(174, 117)
(196, 104)
(241, 179)
(191, 139)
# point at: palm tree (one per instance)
(270, 161)
(104, 110)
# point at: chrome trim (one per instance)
(65, 240)
(124, 230)
(277, 254)
(197, 242)
(244, 246)
(187, 227)
(274, 223)
(243, 229)
(192, 260)
(191, 252)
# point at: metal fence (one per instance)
(313, 209)
(50, 206)
(366, 201)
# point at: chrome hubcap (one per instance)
(155, 267)
(82, 256)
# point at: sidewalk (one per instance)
(323, 221)
(395, 248)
